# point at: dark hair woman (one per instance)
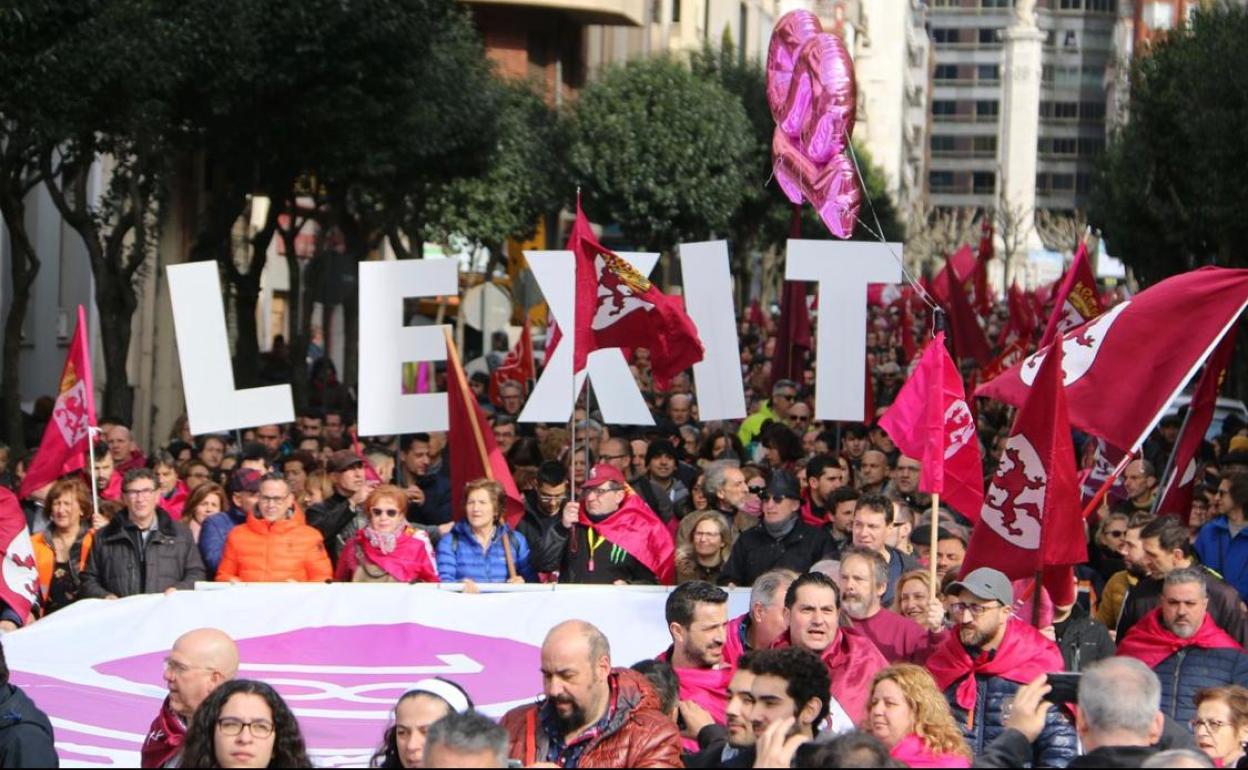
(244, 723)
(429, 700)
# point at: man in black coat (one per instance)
(782, 540)
(26, 738)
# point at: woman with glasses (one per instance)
(244, 723)
(481, 547)
(702, 554)
(61, 552)
(387, 550)
(1221, 724)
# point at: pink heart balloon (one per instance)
(826, 65)
(790, 33)
(837, 196)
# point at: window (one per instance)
(1103, 6)
(1158, 15)
(988, 72)
(995, 3)
(988, 36)
(944, 107)
(1063, 182)
(987, 108)
(1091, 146)
(1070, 39)
(944, 36)
(940, 180)
(946, 72)
(1083, 183)
(1092, 111)
(675, 11)
(985, 145)
(1050, 37)
(943, 143)
(984, 183)
(1070, 5)
(1046, 73)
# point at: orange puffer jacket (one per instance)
(638, 734)
(288, 549)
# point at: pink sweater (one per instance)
(912, 753)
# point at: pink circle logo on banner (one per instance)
(342, 682)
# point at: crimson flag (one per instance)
(1022, 323)
(19, 588)
(908, 345)
(517, 367)
(969, 340)
(931, 422)
(68, 435)
(793, 335)
(983, 297)
(1140, 353)
(618, 307)
(473, 451)
(1013, 353)
(1176, 493)
(958, 268)
(1077, 301)
(1031, 518)
(1102, 464)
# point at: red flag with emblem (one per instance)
(1031, 518)
(1176, 494)
(65, 440)
(983, 295)
(517, 367)
(618, 307)
(474, 454)
(19, 588)
(1022, 323)
(1077, 301)
(1139, 353)
(931, 422)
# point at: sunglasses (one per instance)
(1115, 533)
(776, 498)
(390, 512)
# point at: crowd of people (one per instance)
(849, 652)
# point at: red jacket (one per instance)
(288, 549)
(638, 735)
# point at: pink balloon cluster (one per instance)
(810, 87)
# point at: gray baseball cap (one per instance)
(986, 583)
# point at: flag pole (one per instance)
(934, 539)
(1171, 473)
(478, 439)
(1095, 502)
(95, 484)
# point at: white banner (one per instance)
(340, 654)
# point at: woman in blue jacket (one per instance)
(481, 548)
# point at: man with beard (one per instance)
(824, 475)
(697, 617)
(765, 621)
(199, 662)
(593, 715)
(1181, 644)
(543, 508)
(1166, 547)
(812, 607)
(863, 578)
(428, 493)
(981, 667)
(1120, 584)
(783, 541)
(730, 744)
(723, 483)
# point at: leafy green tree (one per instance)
(661, 152)
(1173, 185)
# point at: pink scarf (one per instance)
(401, 555)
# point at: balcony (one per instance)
(628, 13)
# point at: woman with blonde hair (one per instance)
(61, 552)
(481, 547)
(387, 550)
(207, 499)
(1221, 723)
(913, 597)
(702, 552)
(910, 716)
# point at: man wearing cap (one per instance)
(987, 658)
(244, 487)
(782, 541)
(612, 537)
(340, 517)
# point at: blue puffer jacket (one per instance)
(1195, 668)
(1055, 747)
(460, 556)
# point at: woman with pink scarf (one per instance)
(387, 550)
(910, 716)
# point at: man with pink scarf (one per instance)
(697, 619)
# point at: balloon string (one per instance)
(878, 232)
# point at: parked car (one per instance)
(1224, 408)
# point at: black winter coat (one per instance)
(756, 552)
(117, 566)
(1082, 640)
(1224, 606)
(1195, 668)
(1056, 746)
(26, 738)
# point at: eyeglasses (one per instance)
(390, 512)
(181, 668)
(608, 458)
(785, 396)
(140, 492)
(270, 500)
(1212, 725)
(1115, 533)
(230, 727)
(602, 490)
(775, 498)
(957, 609)
(551, 498)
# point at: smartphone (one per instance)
(1065, 688)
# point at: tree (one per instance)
(1173, 185)
(1061, 231)
(936, 232)
(660, 152)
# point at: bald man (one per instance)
(198, 663)
(580, 686)
(123, 450)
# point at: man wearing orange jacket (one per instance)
(275, 544)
